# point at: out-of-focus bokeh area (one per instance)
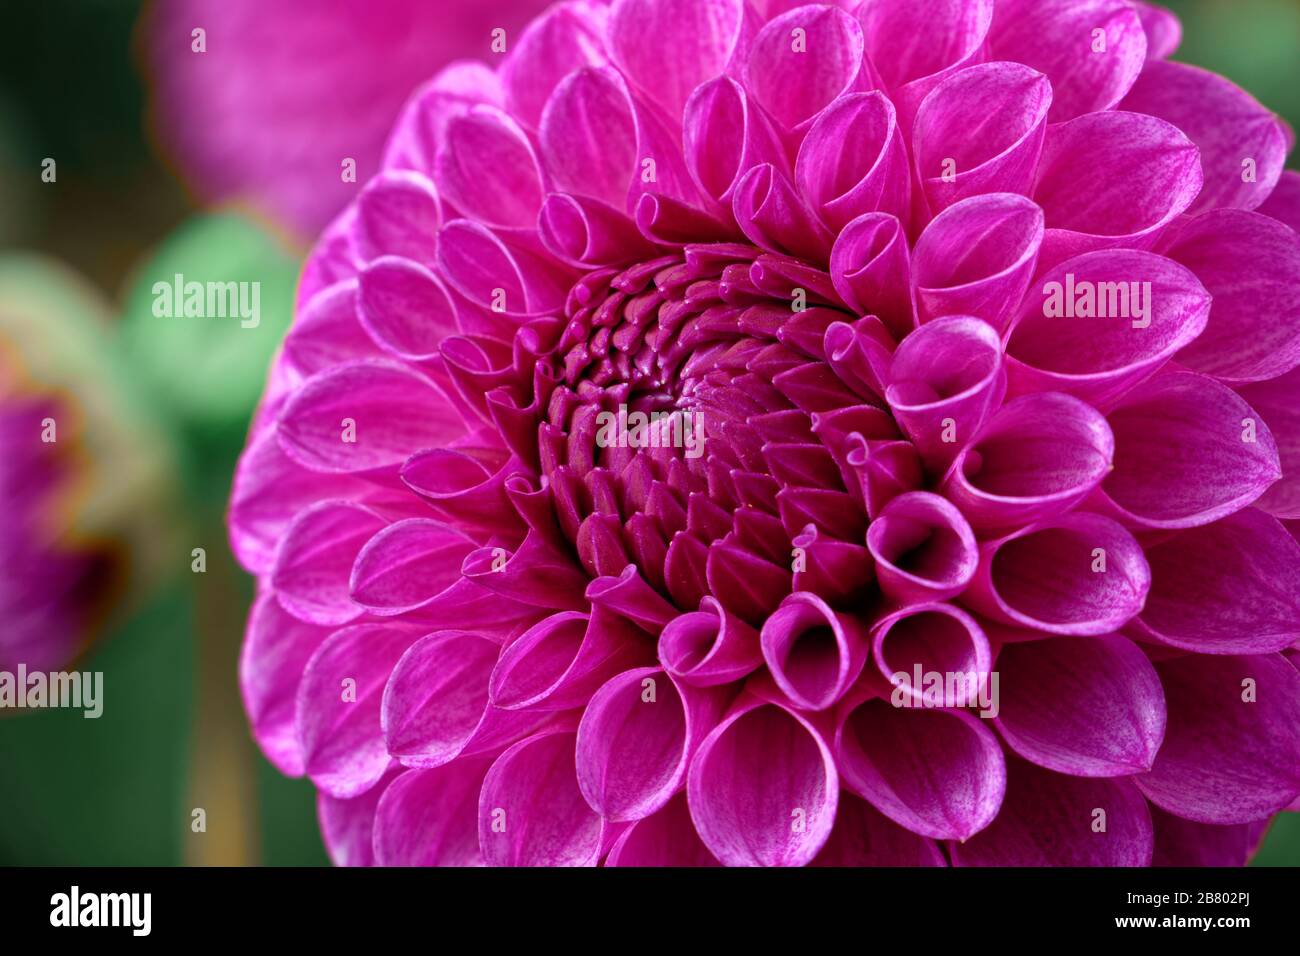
(166, 407)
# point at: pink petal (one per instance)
(726, 134)
(923, 548)
(669, 47)
(315, 558)
(559, 662)
(981, 131)
(865, 837)
(1228, 125)
(1048, 819)
(488, 170)
(1099, 358)
(531, 812)
(1083, 706)
(436, 707)
(976, 258)
(564, 38)
(1162, 28)
(813, 652)
(338, 707)
(1182, 457)
(276, 649)
(665, 838)
(347, 826)
(763, 787)
(852, 161)
(929, 638)
(588, 137)
(493, 275)
(1229, 756)
(1060, 38)
(1038, 456)
(1076, 574)
(1283, 203)
(398, 214)
(1181, 842)
(392, 411)
(428, 817)
(636, 739)
(1278, 401)
(939, 773)
(405, 308)
(1113, 179)
(871, 267)
(1250, 264)
(709, 646)
(795, 83)
(945, 379)
(1231, 587)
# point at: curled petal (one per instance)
(923, 547)
(1049, 819)
(981, 131)
(852, 161)
(531, 812)
(977, 257)
(1231, 587)
(1083, 706)
(725, 135)
(813, 653)
(940, 773)
(585, 232)
(1231, 754)
(1188, 451)
(1039, 455)
(461, 490)
(945, 379)
(930, 639)
(1079, 573)
(498, 277)
(872, 271)
(636, 739)
(709, 646)
(802, 60)
(560, 661)
(773, 215)
(763, 787)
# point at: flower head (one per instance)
(690, 390)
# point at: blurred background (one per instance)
(162, 169)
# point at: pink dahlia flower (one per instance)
(685, 385)
(283, 91)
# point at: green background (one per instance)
(120, 790)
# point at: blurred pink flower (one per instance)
(287, 89)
